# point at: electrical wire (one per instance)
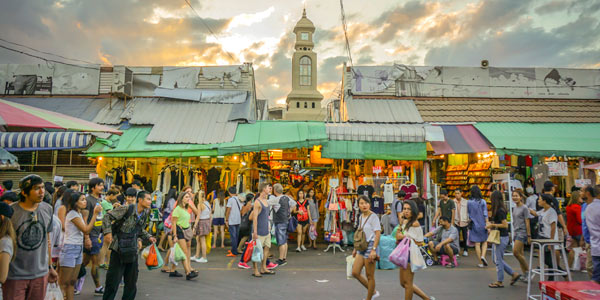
(345, 28)
(48, 59)
(47, 53)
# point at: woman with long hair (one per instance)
(57, 198)
(574, 223)
(218, 222)
(167, 209)
(410, 228)
(313, 207)
(201, 226)
(303, 216)
(8, 241)
(548, 226)
(62, 209)
(498, 222)
(522, 229)
(182, 232)
(478, 213)
(369, 222)
(71, 254)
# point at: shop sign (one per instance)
(557, 169)
(377, 170)
(397, 169)
(58, 179)
(93, 175)
(581, 183)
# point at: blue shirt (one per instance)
(586, 232)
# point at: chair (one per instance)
(446, 260)
(542, 271)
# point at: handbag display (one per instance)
(494, 237)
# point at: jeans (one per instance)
(596, 272)
(464, 232)
(501, 265)
(233, 234)
(116, 271)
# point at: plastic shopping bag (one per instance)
(208, 243)
(417, 262)
(146, 251)
(399, 256)
(387, 244)
(171, 258)
(249, 249)
(257, 253)
(349, 264)
(152, 257)
(312, 232)
(577, 261)
(179, 254)
(469, 243)
(53, 292)
(159, 259)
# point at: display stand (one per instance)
(334, 218)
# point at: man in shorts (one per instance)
(92, 243)
(447, 243)
(260, 230)
(281, 216)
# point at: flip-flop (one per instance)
(268, 273)
(165, 271)
(257, 276)
(514, 280)
(495, 285)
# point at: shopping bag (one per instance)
(151, 258)
(171, 258)
(257, 252)
(179, 254)
(146, 251)
(53, 292)
(399, 256)
(273, 240)
(159, 260)
(249, 249)
(208, 242)
(417, 262)
(292, 224)
(494, 237)
(387, 244)
(469, 243)
(349, 264)
(576, 266)
(312, 232)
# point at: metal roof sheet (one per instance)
(382, 111)
(114, 113)
(82, 108)
(376, 132)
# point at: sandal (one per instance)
(268, 273)
(496, 285)
(515, 279)
(257, 276)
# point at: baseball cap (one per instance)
(6, 210)
(548, 185)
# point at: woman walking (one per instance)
(71, 254)
(410, 228)
(8, 241)
(182, 233)
(520, 220)
(202, 227)
(219, 207)
(574, 223)
(313, 208)
(369, 222)
(498, 222)
(167, 209)
(303, 217)
(478, 214)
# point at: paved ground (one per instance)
(221, 279)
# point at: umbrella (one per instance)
(20, 115)
(8, 161)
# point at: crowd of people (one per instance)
(51, 237)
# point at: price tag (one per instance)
(581, 183)
(58, 179)
(558, 169)
(397, 169)
(93, 175)
(377, 170)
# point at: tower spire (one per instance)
(304, 11)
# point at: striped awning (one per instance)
(461, 139)
(31, 141)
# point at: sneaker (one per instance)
(465, 253)
(298, 249)
(77, 292)
(191, 276)
(243, 265)
(484, 261)
(375, 295)
(193, 258)
(104, 266)
(303, 248)
(272, 266)
(99, 291)
(481, 265)
(525, 277)
(122, 284)
(202, 260)
(450, 265)
(281, 262)
(175, 274)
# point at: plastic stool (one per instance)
(543, 272)
(446, 260)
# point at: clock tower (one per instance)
(304, 101)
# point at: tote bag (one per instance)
(494, 237)
(399, 256)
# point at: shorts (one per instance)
(218, 221)
(96, 246)
(281, 234)
(181, 233)
(520, 237)
(203, 227)
(443, 250)
(303, 223)
(265, 240)
(71, 255)
(367, 252)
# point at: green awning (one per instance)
(133, 144)
(264, 135)
(544, 139)
(374, 150)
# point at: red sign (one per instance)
(377, 170)
(397, 169)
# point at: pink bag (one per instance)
(469, 243)
(400, 255)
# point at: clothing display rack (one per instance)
(333, 208)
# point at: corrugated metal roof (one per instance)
(376, 132)
(82, 108)
(382, 111)
(115, 112)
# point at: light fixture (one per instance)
(100, 158)
(204, 156)
(243, 163)
(220, 156)
(235, 157)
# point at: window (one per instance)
(297, 104)
(304, 36)
(313, 105)
(305, 70)
(305, 105)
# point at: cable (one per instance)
(345, 28)
(209, 30)
(47, 53)
(47, 59)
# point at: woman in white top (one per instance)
(201, 227)
(371, 226)
(219, 207)
(71, 254)
(410, 228)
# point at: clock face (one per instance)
(304, 36)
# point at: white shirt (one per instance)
(370, 225)
(73, 236)
(546, 219)
(461, 217)
(219, 210)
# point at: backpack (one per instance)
(360, 239)
(394, 215)
(245, 224)
(302, 212)
(127, 241)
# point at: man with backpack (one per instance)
(233, 219)
(127, 222)
(281, 216)
(396, 209)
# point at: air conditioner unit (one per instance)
(122, 85)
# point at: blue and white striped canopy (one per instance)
(31, 141)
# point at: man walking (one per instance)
(127, 223)
(233, 219)
(281, 216)
(31, 269)
(461, 220)
(592, 221)
(93, 241)
(260, 228)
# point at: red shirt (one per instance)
(574, 219)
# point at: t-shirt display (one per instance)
(388, 193)
(377, 205)
(366, 190)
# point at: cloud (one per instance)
(330, 69)
(551, 7)
(401, 18)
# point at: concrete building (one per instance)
(304, 101)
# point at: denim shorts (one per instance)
(71, 255)
(367, 252)
(96, 245)
(520, 237)
(218, 221)
(281, 233)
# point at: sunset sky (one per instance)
(559, 33)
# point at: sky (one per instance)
(508, 33)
